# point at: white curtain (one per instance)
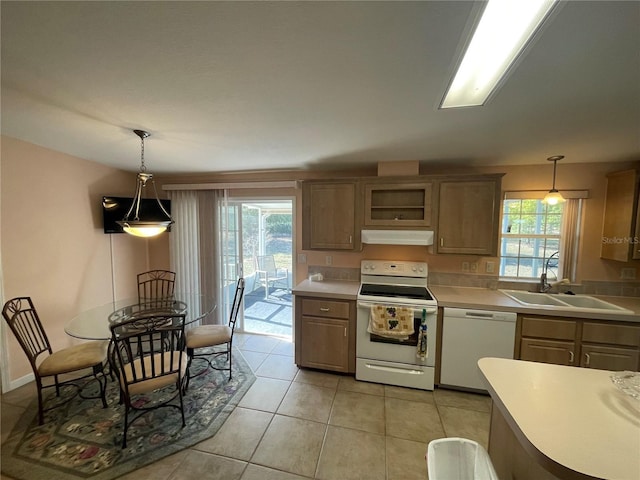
(570, 238)
(194, 245)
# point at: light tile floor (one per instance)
(299, 424)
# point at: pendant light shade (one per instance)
(554, 197)
(132, 223)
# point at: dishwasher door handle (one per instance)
(479, 315)
(495, 316)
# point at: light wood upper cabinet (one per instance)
(329, 215)
(469, 216)
(398, 204)
(636, 237)
(621, 229)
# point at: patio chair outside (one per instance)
(268, 275)
(25, 324)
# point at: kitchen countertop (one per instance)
(487, 299)
(476, 298)
(341, 289)
(568, 419)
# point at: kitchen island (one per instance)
(557, 422)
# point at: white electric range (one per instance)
(388, 360)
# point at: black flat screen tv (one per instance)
(115, 208)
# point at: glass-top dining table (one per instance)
(94, 324)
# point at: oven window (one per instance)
(411, 340)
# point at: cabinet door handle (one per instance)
(570, 356)
(350, 239)
(441, 242)
(324, 309)
(345, 331)
(587, 358)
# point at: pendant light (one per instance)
(554, 197)
(132, 223)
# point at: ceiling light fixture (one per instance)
(504, 30)
(133, 224)
(554, 197)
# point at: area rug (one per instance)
(83, 440)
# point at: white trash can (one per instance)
(458, 459)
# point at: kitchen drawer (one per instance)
(611, 334)
(549, 328)
(325, 308)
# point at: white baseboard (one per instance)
(13, 384)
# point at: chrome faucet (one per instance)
(544, 285)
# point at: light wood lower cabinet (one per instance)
(547, 351)
(325, 334)
(608, 358)
(579, 342)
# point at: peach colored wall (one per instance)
(53, 247)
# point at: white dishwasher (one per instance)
(469, 335)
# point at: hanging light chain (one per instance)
(142, 134)
(143, 168)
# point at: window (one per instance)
(530, 239)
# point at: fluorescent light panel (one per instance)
(504, 29)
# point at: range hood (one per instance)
(397, 237)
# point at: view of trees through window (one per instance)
(277, 239)
(530, 238)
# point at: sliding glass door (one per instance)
(258, 244)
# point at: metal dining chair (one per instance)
(202, 340)
(156, 285)
(47, 365)
(149, 356)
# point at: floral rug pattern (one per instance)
(81, 439)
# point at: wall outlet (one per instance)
(628, 273)
(474, 267)
(328, 260)
(490, 267)
(302, 258)
(465, 267)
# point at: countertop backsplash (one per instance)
(587, 287)
(336, 273)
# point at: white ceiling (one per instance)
(234, 86)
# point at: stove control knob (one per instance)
(372, 267)
(414, 268)
(421, 269)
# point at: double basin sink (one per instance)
(583, 303)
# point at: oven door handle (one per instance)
(430, 309)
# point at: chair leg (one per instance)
(190, 352)
(126, 426)
(40, 407)
(181, 401)
(99, 369)
(111, 360)
(230, 357)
